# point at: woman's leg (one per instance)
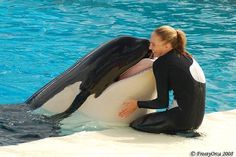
(164, 122)
(158, 122)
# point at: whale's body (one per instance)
(105, 108)
(91, 85)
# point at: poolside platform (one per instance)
(217, 131)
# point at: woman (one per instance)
(176, 70)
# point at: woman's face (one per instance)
(158, 46)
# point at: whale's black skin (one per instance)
(96, 71)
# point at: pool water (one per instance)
(39, 39)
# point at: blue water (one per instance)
(39, 39)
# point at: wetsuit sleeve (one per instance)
(160, 70)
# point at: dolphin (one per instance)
(91, 75)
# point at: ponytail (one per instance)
(181, 43)
(176, 38)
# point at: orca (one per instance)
(92, 75)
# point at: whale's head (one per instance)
(94, 72)
(125, 51)
(132, 51)
(112, 59)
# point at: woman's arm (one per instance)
(162, 101)
(160, 69)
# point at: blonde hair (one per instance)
(176, 38)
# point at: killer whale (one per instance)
(91, 75)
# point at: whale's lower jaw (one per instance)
(106, 107)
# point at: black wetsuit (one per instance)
(184, 76)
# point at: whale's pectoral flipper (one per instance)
(78, 101)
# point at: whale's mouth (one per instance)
(129, 73)
(141, 66)
(136, 69)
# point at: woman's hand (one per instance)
(129, 107)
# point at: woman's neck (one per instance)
(166, 51)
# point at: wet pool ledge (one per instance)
(218, 131)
